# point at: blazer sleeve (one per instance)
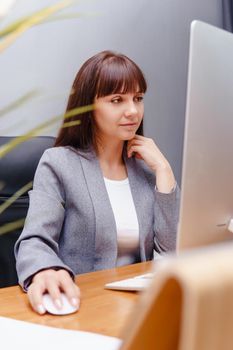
(166, 219)
(37, 247)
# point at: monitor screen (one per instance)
(207, 174)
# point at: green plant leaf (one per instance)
(19, 102)
(15, 25)
(15, 196)
(32, 20)
(70, 16)
(73, 123)
(8, 147)
(11, 226)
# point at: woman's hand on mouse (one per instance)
(145, 148)
(52, 282)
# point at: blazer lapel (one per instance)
(106, 235)
(143, 197)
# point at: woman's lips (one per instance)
(129, 124)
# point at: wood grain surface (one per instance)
(102, 311)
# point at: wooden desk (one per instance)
(101, 311)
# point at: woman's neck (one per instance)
(111, 160)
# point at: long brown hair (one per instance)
(104, 74)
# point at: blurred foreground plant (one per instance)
(11, 33)
(8, 36)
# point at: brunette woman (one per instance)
(104, 195)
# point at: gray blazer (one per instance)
(70, 222)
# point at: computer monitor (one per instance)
(206, 204)
(207, 175)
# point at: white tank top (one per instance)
(124, 211)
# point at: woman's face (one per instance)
(118, 116)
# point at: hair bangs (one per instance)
(104, 74)
(120, 75)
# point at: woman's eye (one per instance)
(138, 98)
(116, 100)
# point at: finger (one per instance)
(144, 139)
(135, 142)
(73, 294)
(70, 289)
(139, 137)
(35, 292)
(54, 291)
(134, 149)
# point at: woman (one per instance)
(105, 195)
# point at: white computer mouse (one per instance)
(66, 309)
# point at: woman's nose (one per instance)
(131, 109)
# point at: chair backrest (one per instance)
(17, 168)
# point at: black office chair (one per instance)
(17, 169)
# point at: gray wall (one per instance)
(153, 33)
